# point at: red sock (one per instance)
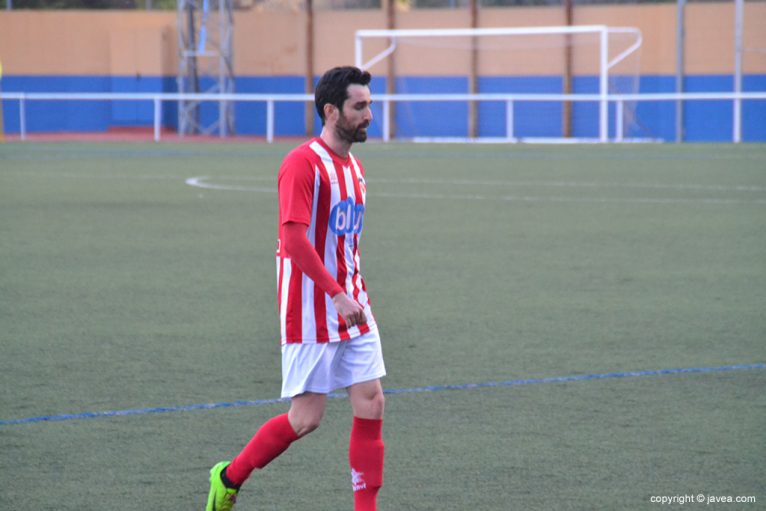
(365, 455)
(274, 437)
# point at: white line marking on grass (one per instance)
(202, 182)
(552, 184)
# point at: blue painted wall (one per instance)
(708, 121)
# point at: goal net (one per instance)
(535, 83)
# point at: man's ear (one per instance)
(329, 109)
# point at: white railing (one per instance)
(156, 99)
(510, 101)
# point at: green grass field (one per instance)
(122, 287)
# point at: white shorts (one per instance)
(324, 367)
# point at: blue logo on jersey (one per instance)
(347, 217)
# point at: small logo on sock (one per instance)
(357, 481)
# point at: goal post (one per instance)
(604, 54)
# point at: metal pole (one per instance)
(390, 115)
(619, 121)
(738, 23)
(680, 41)
(23, 118)
(386, 120)
(309, 77)
(358, 51)
(568, 69)
(221, 73)
(509, 121)
(270, 121)
(604, 88)
(191, 110)
(229, 60)
(473, 79)
(157, 123)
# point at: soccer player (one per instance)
(328, 333)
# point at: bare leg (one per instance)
(367, 399)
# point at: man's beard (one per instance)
(348, 133)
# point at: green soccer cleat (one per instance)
(220, 498)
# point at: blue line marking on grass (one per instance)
(413, 390)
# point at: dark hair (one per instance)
(333, 87)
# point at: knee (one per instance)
(374, 406)
(306, 427)
(303, 424)
(379, 405)
(306, 413)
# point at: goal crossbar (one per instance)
(395, 34)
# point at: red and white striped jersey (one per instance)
(326, 192)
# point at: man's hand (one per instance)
(351, 312)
